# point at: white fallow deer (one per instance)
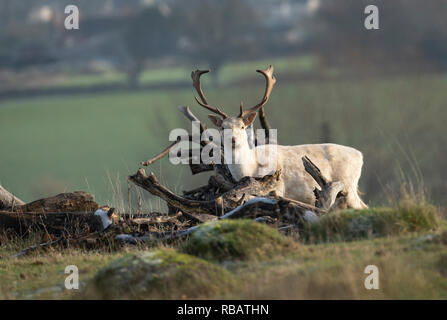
(336, 162)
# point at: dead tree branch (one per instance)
(188, 114)
(50, 222)
(247, 187)
(64, 212)
(331, 195)
(161, 154)
(8, 200)
(264, 124)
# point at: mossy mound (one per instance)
(237, 240)
(160, 274)
(350, 225)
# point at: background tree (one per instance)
(149, 35)
(215, 31)
(408, 38)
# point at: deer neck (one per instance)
(243, 161)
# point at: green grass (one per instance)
(43, 276)
(411, 266)
(351, 225)
(163, 274)
(81, 142)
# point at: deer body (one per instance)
(336, 162)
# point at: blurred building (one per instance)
(35, 34)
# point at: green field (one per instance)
(92, 142)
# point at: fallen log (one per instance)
(291, 213)
(77, 201)
(49, 222)
(250, 198)
(8, 200)
(65, 212)
(247, 188)
(288, 210)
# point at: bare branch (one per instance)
(161, 154)
(8, 200)
(332, 194)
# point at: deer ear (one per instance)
(249, 118)
(216, 120)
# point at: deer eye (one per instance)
(242, 127)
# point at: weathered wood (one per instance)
(200, 218)
(161, 154)
(65, 212)
(327, 197)
(77, 201)
(219, 182)
(188, 114)
(287, 210)
(248, 187)
(166, 151)
(196, 191)
(151, 184)
(223, 170)
(49, 222)
(260, 209)
(264, 124)
(197, 168)
(8, 200)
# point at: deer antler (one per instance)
(195, 76)
(270, 82)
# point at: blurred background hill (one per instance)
(80, 109)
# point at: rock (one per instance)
(237, 240)
(159, 274)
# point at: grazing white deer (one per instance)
(336, 162)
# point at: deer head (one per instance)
(239, 123)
